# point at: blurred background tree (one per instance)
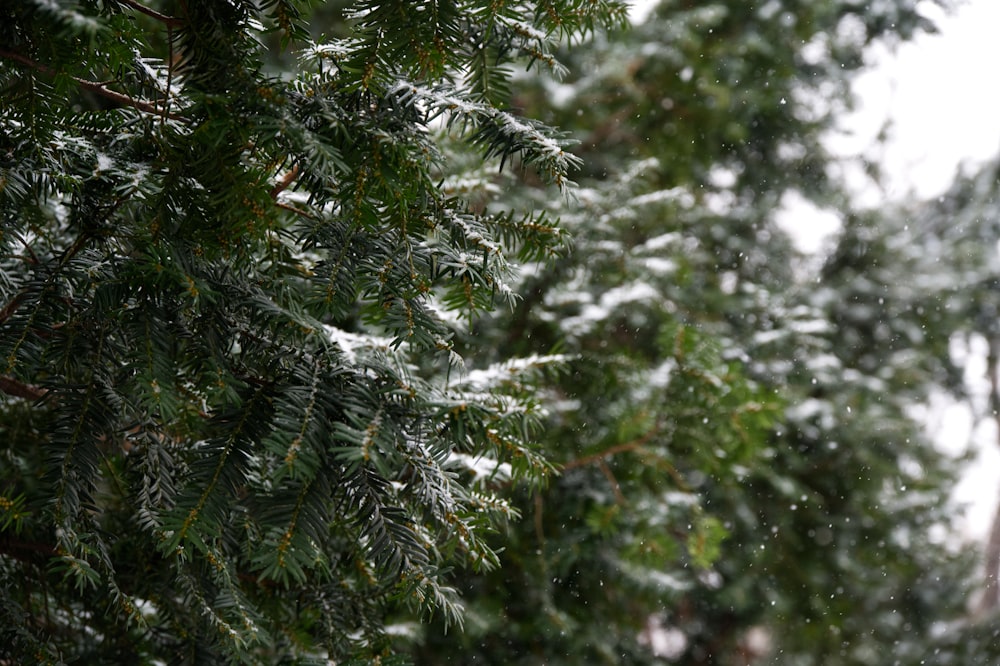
(743, 476)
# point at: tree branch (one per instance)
(92, 86)
(539, 529)
(285, 181)
(612, 451)
(19, 389)
(169, 21)
(297, 211)
(610, 476)
(12, 306)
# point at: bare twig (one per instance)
(539, 529)
(170, 75)
(991, 589)
(297, 211)
(12, 306)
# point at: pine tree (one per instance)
(233, 258)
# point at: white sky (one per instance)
(937, 96)
(940, 95)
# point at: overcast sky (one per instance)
(940, 95)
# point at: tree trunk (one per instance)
(991, 589)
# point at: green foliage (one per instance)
(298, 367)
(742, 479)
(234, 425)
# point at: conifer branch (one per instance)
(92, 86)
(610, 476)
(169, 21)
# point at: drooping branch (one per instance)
(92, 86)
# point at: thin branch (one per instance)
(297, 211)
(19, 389)
(991, 587)
(539, 529)
(614, 450)
(12, 306)
(169, 21)
(92, 86)
(610, 476)
(285, 181)
(170, 75)
(282, 185)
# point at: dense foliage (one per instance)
(743, 476)
(312, 351)
(233, 424)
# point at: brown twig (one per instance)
(169, 21)
(92, 86)
(610, 476)
(12, 306)
(285, 181)
(614, 450)
(539, 529)
(19, 389)
(282, 185)
(297, 211)
(170, 75)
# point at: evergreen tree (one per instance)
(951, 244)
(742, 480)
(233, 256)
